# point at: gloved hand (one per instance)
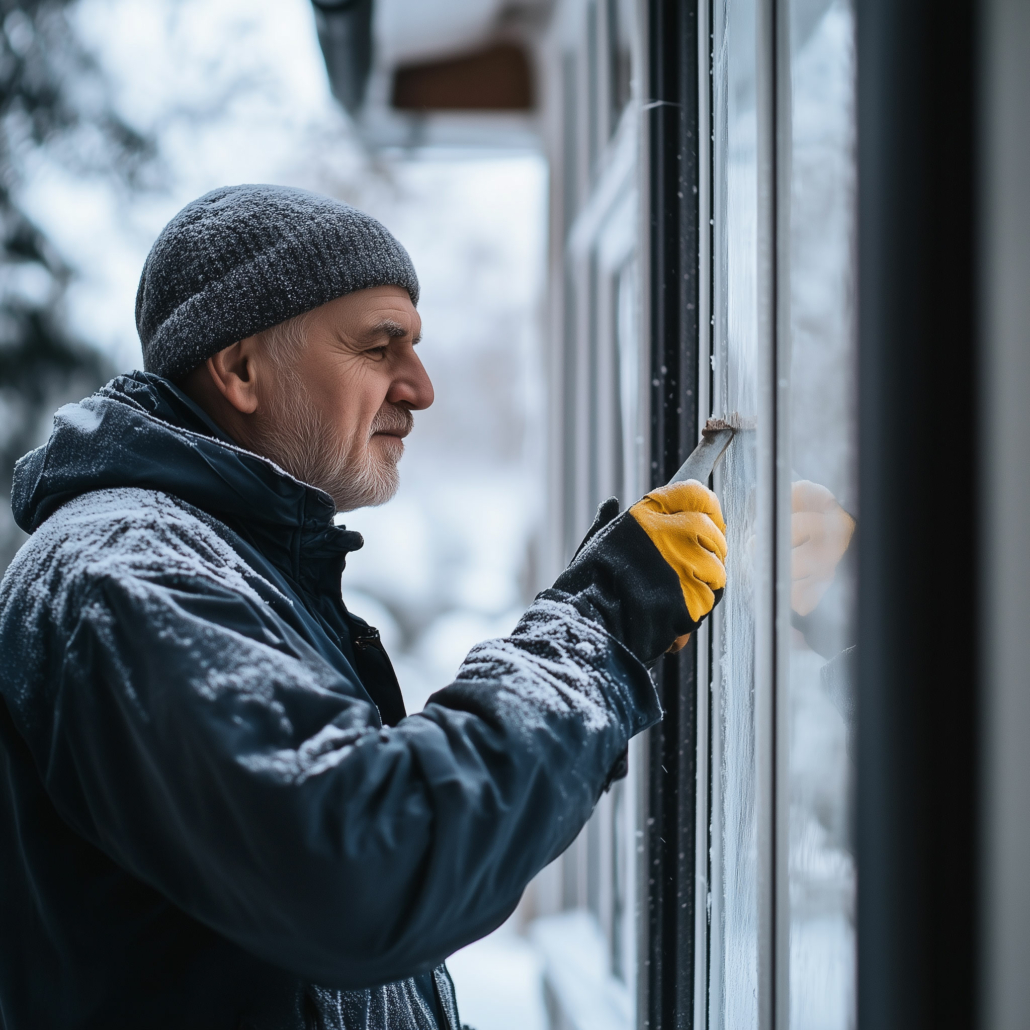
(654, 572)
(685, 523)
(820, 531)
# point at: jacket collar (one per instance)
(142, 431)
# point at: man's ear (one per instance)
(234, 373)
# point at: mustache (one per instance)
(392, 419)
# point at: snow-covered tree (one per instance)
(53, 98)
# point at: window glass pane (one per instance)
(734, 859)
(824, 502)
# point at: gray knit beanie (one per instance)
(242, 259)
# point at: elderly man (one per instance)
(214, 811)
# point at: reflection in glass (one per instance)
(816, 356)
(823, 521)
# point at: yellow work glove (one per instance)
(820, 532)
(684, 521)
(651, 574)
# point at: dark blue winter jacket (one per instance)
(213, 812)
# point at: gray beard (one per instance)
(297, 439)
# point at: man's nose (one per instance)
(411, 385)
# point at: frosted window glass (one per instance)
(823, 459)
(734, 858)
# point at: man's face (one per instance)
(337, 409)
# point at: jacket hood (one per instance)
(142, 431)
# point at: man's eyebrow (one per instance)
(388, 327)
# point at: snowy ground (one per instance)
(235, 91)
(499, 983)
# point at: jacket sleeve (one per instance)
(211, 752)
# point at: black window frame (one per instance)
(673, 168)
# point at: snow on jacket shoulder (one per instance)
(213, 811)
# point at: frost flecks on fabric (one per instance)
(132, 531)
(554, 663)
(330, 746)
(79, 415)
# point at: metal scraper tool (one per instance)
(715, 438)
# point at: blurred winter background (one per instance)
(115, 113)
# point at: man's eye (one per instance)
(377, 352)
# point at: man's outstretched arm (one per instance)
(201, 743)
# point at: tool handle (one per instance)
(705, 456)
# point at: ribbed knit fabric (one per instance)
(242, 259)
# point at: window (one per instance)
(720, 876)
(783, 356)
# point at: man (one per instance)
(213, 809)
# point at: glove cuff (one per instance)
(620, 579)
